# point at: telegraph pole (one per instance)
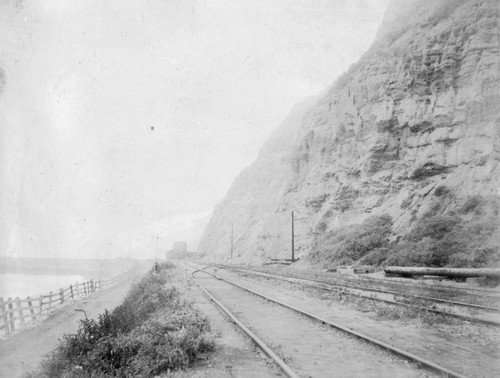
(293, 240)
(156, 259)
(232, 233)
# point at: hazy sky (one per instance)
(118, 114)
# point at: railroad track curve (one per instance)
(244, 316)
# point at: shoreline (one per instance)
(90, 268)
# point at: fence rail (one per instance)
(15, 312)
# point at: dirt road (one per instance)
(22, 352)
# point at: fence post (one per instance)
(41, 304)
(32, 311)
(71, 291)
(77, 290)
(92, 287)
(4, 316)
(12, 322)
(50, 300)
(61, 295)
(20, 310)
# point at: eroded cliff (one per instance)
(410, 132)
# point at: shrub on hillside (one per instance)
(435, 227)
(441, 190)
(468, 235)
(411, 254)
(451, 240)
(346, 245)
(477, 258)
(375, 258)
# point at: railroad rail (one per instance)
(360, 287)
(325, 285)
(263, 346)
(283, 366)
(422, 285)
(488, 293)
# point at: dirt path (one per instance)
(312, 350)
(23, 351)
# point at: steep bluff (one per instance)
(416, 117)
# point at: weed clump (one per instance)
(154, 330)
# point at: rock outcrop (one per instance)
(420, 111)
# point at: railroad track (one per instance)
(353, 283)
(445, 290)
(357, 290)
(487, 293)
(275, 356)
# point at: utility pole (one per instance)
(232, 233)
(293, 240)
(156, 259)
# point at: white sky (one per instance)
(80, 165)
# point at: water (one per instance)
(23, 285)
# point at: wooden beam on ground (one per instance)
(448, 272)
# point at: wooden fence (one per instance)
(16, 313)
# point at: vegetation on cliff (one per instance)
(464, 235)
(154, 330)
(348, 244)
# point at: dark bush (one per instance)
(346, 245)
(441, 190)
(411, 254)
(375, 258)
(434, 227)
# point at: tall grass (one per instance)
(154, 330)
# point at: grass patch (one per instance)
(154, 330)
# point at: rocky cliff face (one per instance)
(418, 112)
